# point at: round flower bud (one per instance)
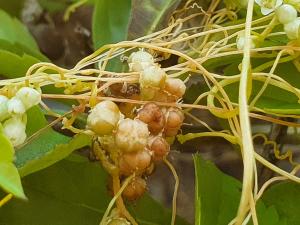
(140, 60)
(152, 115)
(103, 118)
(175, 87)
(131, 135)
(14, 129)
(29, 96)
(15, 106)
(118, 221)
(4, 114)
(134, 162)
(286, 13)
(292, 29)
(152, 76)
(174, 120)
(135, 189)
(159, 147)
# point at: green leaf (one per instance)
(6, 149)
(47, 156)
(10, 180)
(110, 21)
(46, 147)
(285, 197)
(20, 49)
(14, 31)
(267, 215)
(73, 191)
(149, 16)
(217, 194)
(13, 7)
(12, 65)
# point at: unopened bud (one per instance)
(152, 115)
(175, 87)
(29, 96)
(103, 118)
(140, 60)
(16, 106)
(14, 129)
(134, 162)
(152, 76)
(135, 189)
(131, 135)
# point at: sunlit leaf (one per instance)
(217, 195)
(110, 21)
(12, 30)
(6, 149)
(10, 180)
(45, 147)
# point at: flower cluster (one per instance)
(13, 113)
(133, 142)
(154, 84)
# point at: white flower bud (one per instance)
(16, 106)
(103, 117)
(152, 76)
(139, 60)
(14, 128)
(29, 96)
(131, 135)
(4, 114)
(286, 13)
(175, 87)
(292, 29)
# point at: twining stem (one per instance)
(114, 199)
(120, 203)
(6, 199)
(246, 142)
(176, 186)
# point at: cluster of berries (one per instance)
(134, 144)
(13, 113)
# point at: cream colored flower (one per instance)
(268, 6)
(14, 129)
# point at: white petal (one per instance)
(266, 11)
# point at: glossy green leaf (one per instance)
(149, 16)
(285, 197)
(6, 149)
(217, 194)
(110, 21)
(10, 180)
(45, 147)
(73, 191)
(20, 49)
(12, 65)
(12, 30)
(55, 151)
